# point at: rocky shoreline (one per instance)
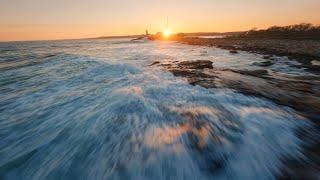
(306, 52)
(301, 93)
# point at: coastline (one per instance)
(304, 51)
(299, 92)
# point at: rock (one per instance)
(181, 72)
(200, 64)
(267, 57)
(257, 73)
(233, 51)
(50, 55)
(264, 63)
(193, 72)
(300, 93)
(154, 63)
(166, 65)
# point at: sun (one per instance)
(166, 33)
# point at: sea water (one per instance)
(95, 109)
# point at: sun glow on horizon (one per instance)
(166, 32)
(26, 20)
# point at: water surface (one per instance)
(95, 109)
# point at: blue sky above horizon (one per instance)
(63, 19)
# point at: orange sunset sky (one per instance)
(68, 19)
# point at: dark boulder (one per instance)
(200, 64)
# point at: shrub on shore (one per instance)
(298, 31)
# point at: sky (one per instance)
(70, 19)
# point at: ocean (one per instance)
(96, 109)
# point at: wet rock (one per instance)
(200, 64)
(300, 93)
(267, 57)
(206, 83)
(50, 55)
(154, 63)
(233, 51)
(257, 73)
(193, 71)
(166, 65)
(264, 63)
(303, 51)
(181, 72)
